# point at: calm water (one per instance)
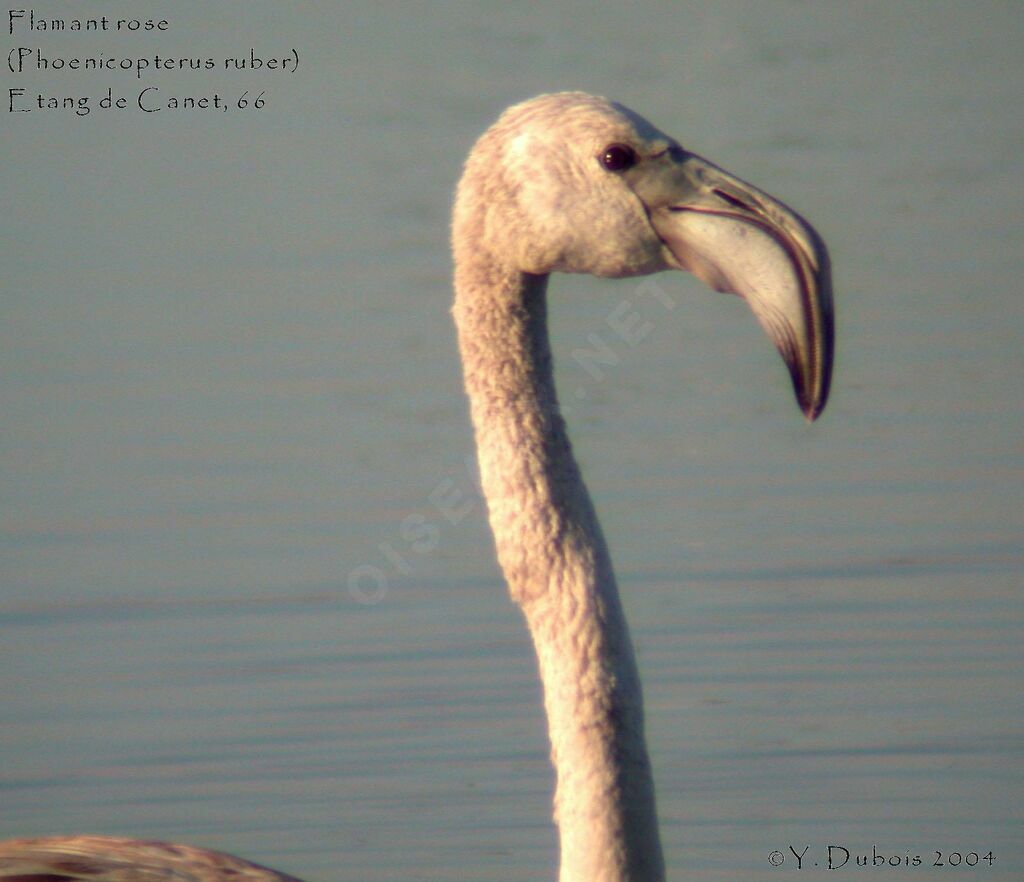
(229, 377)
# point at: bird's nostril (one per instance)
(732, 200)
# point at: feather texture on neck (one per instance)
(558, 569)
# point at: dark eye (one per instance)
(618, 157)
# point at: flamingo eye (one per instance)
(618, 157)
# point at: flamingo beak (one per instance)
(740, 240)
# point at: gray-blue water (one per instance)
(231, 398)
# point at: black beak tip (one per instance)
(804, 389)
(813, 405)
(813, 410)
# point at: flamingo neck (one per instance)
(555, 560)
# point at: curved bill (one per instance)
(742, 241)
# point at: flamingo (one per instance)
(566, 182)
